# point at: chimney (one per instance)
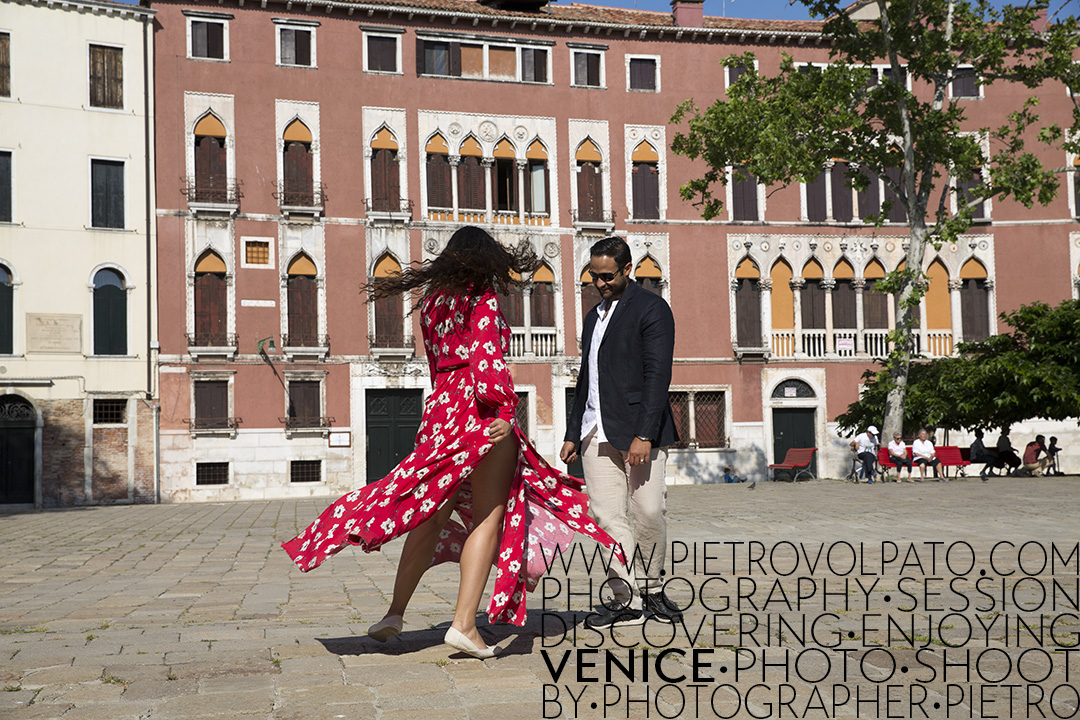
(688, 13)
(1040, 23)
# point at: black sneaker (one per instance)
(662, 608)
(607, 617)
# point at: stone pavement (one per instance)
(193, 611)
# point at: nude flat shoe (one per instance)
(385, 629)
(456, 640)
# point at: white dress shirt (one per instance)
(898, 448)
(591, 418)
(922, 448)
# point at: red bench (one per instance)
(883, 458)
(797, 459)
(951, 456)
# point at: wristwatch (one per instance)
(643, 438)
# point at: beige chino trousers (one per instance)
(630, 503)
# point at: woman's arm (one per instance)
(493, 384)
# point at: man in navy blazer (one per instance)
(621, 426)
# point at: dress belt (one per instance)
(450, 368)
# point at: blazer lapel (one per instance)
(628, 296)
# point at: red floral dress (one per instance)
(466, 339)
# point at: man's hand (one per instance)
(498, 430)
(569, 453)
(639, 452)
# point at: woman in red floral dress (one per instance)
(469, 457)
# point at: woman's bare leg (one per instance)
(491, 481)
(416, 556)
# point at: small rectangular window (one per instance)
(257, 252)
(965, 84)
(212, 473)
(734, 73)
(502, 62)
(305, 405)
(211, 404)
(382, 53)
(744, 196)
(587, 69)
(305, 471)
(208, 39)
(643, 74)
(709, 419)
(439, 58)
(110, 411)
(472, 60)
(5, 186)
(106, 77)
(534, 62)
(296, 46)
(106, 194)
(521, 414)
(5, 64)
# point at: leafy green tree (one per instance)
(783, 129)
(1031, 371)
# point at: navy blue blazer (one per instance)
(634, 365)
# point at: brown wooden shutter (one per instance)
(303, 311)
(303, 47)
(642, 74)
(844, 305)
(305, 407)
(896, 212)
(543, 305)
(540, 63)
(215, 40)
(299, 185)
(5, 186)
(453, 62)
(388, 322)
(841, 194)
(590, 298)
(97, 76)
(964, 83)
(590, 193)
(975, 310)
(385, 180)
(748, 314)
(594, 69)
(870, 198)
(744, 197)
(5, 65)
(965, 195)
(421, 65)
(210, 172)
(875, 308)
(815, 199)
(813, 306)
(212, 403)
(512, 305)
(471, 184)
(382, 54)
(211, 316)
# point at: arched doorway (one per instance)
(794, 418)
(18, 430)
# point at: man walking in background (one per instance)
(621, 425)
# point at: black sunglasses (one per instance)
(606, 277)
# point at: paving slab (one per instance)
(193, 611)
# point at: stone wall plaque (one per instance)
(53, 333)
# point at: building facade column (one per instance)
(797, 284)
(956, 313)
(526, 317)
(765, 287)
(453, 161)
(859, 285)
(828, 285)
(488, 164)
(521, 167)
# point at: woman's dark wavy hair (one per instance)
(472, 262)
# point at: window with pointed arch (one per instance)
(590, 296)
(537, 180)
(297, 168)
(875, 303)
(748, 304)
(506, 177)
(110, 313)
(302, 299)
(645, 182)
(843, 305)
(211, 302)
(439, 188)
(590, 186)
(974, 302)
(512, 302)
(471, 186)
(385, 178)
(542, 298)
(7, 312)
(647, 274)
(211, 171)
(813, 297)
(389, 311)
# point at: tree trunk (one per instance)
(899, 361)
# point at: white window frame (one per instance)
(603, 67)
(545, 48)
(978, 86)
(90, 194)
(761, 197)
(289, 24)
(880, 69)
(229, 376)
(244, 240)
(988, 206)
(224, 40)
(397, 39)
(14, 215)
(486, 44)
(629, 57)
(94, 108)
(727, 75)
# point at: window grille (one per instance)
(699, 418)
(212, 473)
(257, 252)
(305, 471)
(110, 411)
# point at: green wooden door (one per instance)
(393, 418)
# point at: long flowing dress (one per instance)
(466, 339)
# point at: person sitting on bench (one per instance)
(1006, 454)
(898, 456)
(923, 453)
(979, 454)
